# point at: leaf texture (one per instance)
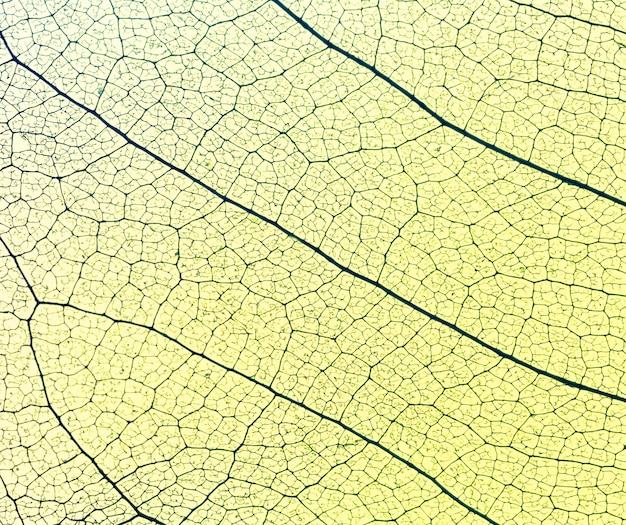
(311, 263)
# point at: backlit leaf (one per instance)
(312, 263)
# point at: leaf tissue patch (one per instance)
(306, 262)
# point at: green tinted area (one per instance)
(312, 263)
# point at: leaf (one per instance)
(282, 262)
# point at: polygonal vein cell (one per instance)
(453, 290)
(257, 281)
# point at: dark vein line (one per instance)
(19, 269)
(304, 242)
(285, 397)
(13, 500)
(571, 17)
(439, 118)
(91, 459)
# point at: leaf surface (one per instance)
(269, 262)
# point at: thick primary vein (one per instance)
(12, 499)
(91, 459)
(49, 406)
(19, 268)
(571, 17)
(284, 397)
(374, 70)
(304, 242)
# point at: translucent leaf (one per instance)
(311, 263)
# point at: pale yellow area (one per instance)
(45, 478)
(166, 354)
(542, 87)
